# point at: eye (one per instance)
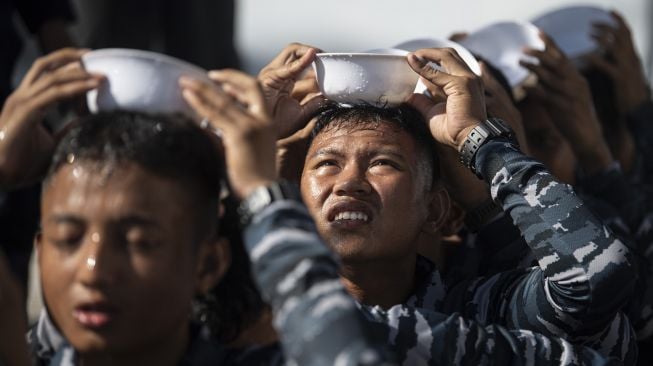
(67, 243)
(65, 237)
(141, 241)
(384, 163)
(326, 163)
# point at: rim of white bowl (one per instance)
(363, 54)
(142, 54)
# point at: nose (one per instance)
(352, 181)
(99, 264)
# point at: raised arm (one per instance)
(585, 274)
(317, 321)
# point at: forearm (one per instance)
(587, 273)
(421, 336)
(297, 275)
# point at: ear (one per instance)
(213, 261)
(438, 210)
(38, 240)
(454, 221)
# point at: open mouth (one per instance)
(95, 315)
(351, 215)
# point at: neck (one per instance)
(384, 283)
(167, 352)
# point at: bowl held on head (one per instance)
(416, 44)
(140, 81)
(381, 79)
(502, 45)
(571, 29)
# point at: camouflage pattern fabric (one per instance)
(317, 326)
(317, 321)
(585, 274)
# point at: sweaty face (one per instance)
(117, 263)
(366, 191)
(546, 143)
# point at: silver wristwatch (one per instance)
(489, 129)
(263, 196)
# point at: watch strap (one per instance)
(264, 196)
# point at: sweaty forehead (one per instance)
(363, 136)
(90, 190)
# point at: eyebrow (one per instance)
(336, 152)
(65, 219)
(130, 220)
(327, 151)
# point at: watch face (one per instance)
(259, 199)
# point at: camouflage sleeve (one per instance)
(585, 274)
(317, 321)
(423, 337)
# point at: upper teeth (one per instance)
(350, 215)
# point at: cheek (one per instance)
(314, 191)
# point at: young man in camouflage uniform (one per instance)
(365, 183)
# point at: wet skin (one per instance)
(117, 262)
(368, 192)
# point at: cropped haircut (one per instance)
(175, 148)
(168, 146)
(338, 116)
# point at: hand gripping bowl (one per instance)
(502, 44)
(381, 79)
(416, 44)
(139, 81)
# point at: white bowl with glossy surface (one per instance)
(140, 81)
(571, 28)
(416, 44)
(380, 79)
(502, 45)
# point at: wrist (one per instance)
(263, 196)
(463, 135)
(246, 190)
(490, 129)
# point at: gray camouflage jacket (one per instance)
(585, 274)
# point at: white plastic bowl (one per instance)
(502, 45)
(139, 81)
(378, 79)
(416, 44)
(571, 27)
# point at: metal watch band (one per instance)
(263, 197)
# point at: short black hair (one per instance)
(168, 146)
(335, 116)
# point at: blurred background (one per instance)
(243, 34)
(262, 28)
